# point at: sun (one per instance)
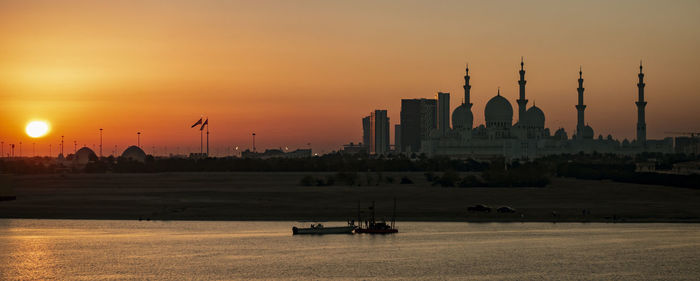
(37, 129)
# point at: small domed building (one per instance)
(134, 153)
(85, 155)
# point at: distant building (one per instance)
(84, 156)
(418, 119)
(443, 100)
(277, 153)
(645, 167)
(687, 168)
(379, 132)
(365, 130)
(525, 139)
(134, 153)
(353, 148)
(397, 137)
(687, 145)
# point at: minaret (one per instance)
(580, 107)
(467, 95)
(522, 102)
(641, 122)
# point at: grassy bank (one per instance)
(279, 196)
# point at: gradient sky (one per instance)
(298, 72)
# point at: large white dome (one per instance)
(498, 111)
(462, 117)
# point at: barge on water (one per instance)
(320, 229)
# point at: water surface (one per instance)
(186, 250)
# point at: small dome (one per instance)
(498, 109)
(134, 153)
(561, 134)
(534, 117)
(588, 132)
(85, 155)
(462, 117)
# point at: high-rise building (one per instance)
(365, 131)
(418, 118)
(379, 132)
(397, 137)
(443, 115)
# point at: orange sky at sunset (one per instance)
(298, 72)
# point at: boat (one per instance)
(321, 229)
(372, 226)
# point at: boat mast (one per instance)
(393, 217)
(373, 213)
(359, 217)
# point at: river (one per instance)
(206, 250)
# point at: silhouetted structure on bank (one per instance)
(425, 128)
(379, 132)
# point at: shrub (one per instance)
(307, 181)
(406, 180)
(390, 179)
(471, 181)
(347, 178)
(448, 179)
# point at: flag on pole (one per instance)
(198, 122)
(205, 123)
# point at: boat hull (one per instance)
(324, 230)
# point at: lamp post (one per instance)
(100, 142)
(138, 139)
(253, 142)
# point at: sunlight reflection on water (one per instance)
(117, 250)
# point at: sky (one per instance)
(304, 73)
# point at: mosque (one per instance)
(528, 137)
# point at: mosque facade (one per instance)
(527, 138)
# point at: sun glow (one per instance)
(37, 129)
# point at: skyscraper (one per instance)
(418, 118)
(379, 132)
(443, 115)
(397, 137)
(365, 131)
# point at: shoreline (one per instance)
(275, 196)
(680, 221)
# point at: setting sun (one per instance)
(37, 129)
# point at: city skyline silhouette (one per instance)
(305, 73)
